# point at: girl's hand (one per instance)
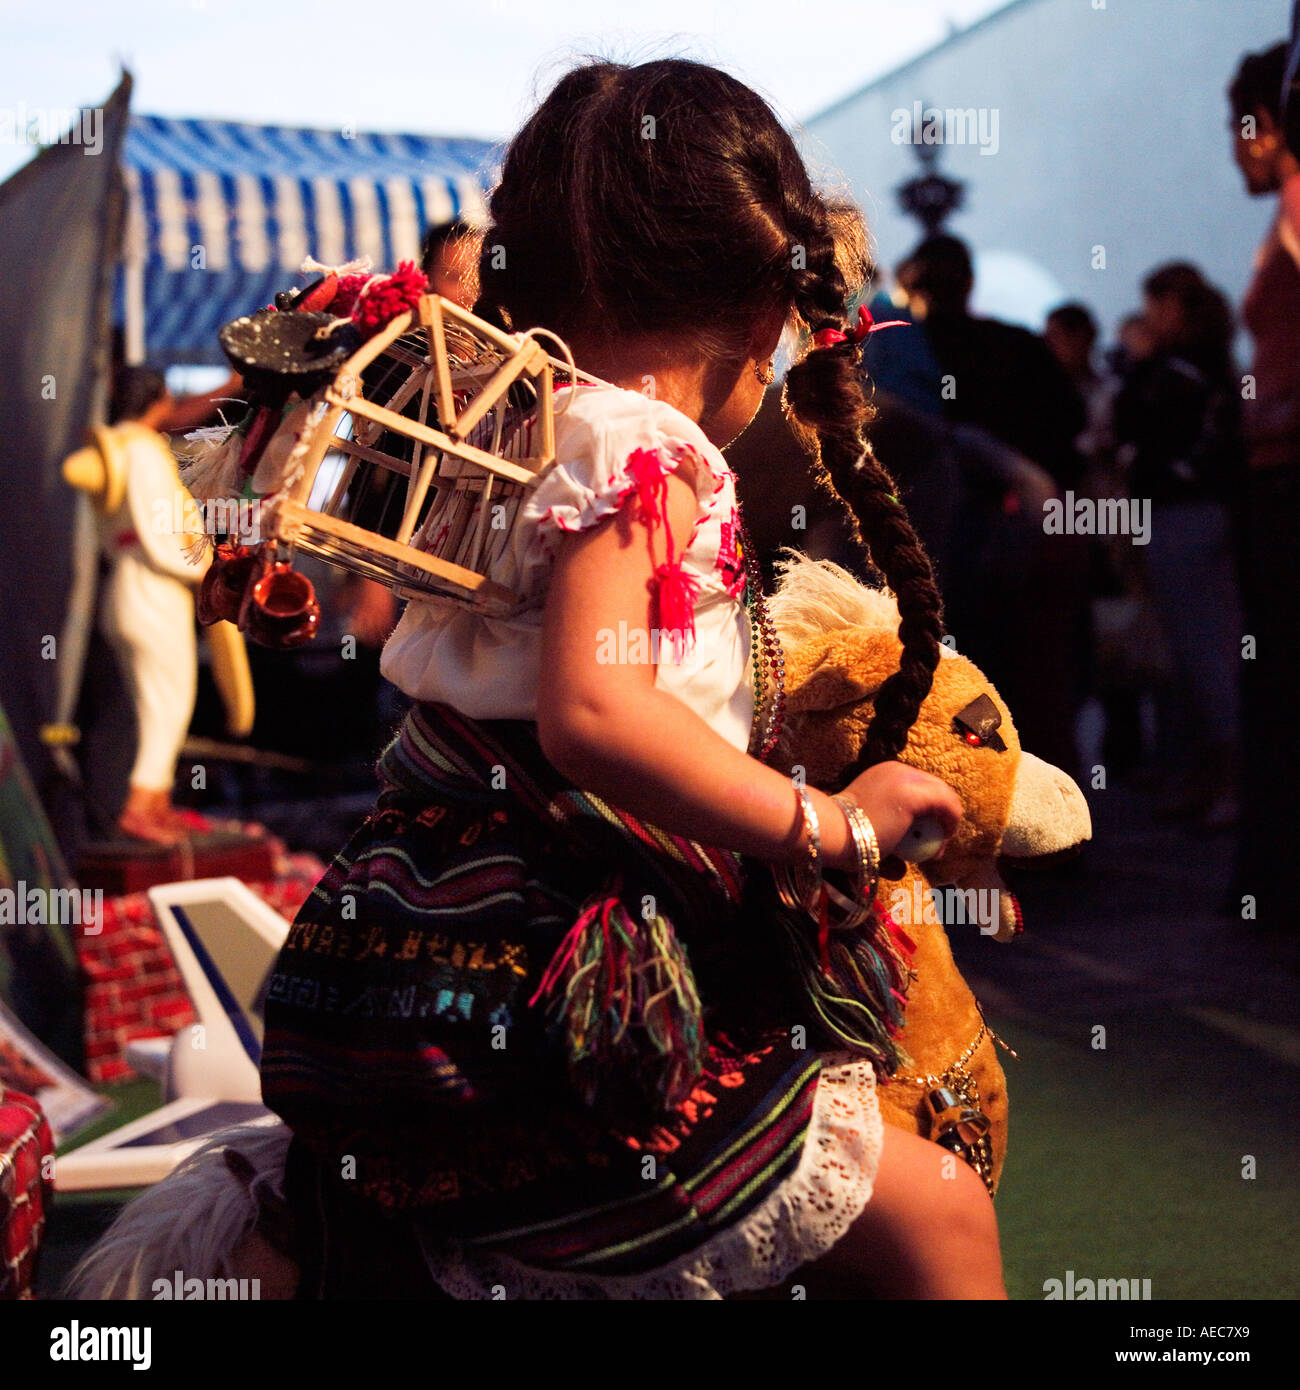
(894, 795)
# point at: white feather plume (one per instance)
(210, 466)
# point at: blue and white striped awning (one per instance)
(220, 216)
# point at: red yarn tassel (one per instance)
(673, 591)
(621, 993)
(824, 929)
(646, 469)
(568, 949)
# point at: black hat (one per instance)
(278, 352)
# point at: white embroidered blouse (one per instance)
(489, 667)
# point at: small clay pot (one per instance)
(282, 611)
(221, 592)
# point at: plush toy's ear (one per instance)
(839, 668)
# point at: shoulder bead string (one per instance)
(769, 658)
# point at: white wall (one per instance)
(1112, 130)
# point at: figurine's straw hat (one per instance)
(99, 469)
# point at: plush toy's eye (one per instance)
(977, 724)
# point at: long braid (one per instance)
(826, 395)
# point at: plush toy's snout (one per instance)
(1048, 815)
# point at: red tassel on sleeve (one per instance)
(673, 592)
(673, 589)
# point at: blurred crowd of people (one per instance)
(1177, 625)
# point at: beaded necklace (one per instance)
(768, 656)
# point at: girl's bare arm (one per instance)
(608, 729)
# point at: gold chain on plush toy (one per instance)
(953, 1104)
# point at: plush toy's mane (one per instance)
(813, 597)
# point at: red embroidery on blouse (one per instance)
(674, 589)
(729, 561)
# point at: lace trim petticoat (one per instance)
(797, 1223)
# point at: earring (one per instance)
(766, 374)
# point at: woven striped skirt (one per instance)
(438, 1134)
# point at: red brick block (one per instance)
(173, 1015)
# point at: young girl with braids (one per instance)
(537, 1032)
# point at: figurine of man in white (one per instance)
(147, 610)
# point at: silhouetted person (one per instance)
(1020, 603)
(449, 257)
(1271, 507)
(1071, 336)
(1000, 377)
(1176, 424)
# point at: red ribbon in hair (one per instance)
(828, 337)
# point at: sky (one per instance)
(440, 68)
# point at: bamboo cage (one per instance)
(438, 426)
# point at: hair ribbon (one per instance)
(828, 337)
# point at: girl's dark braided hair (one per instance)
(667, 199)
(826, 394)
